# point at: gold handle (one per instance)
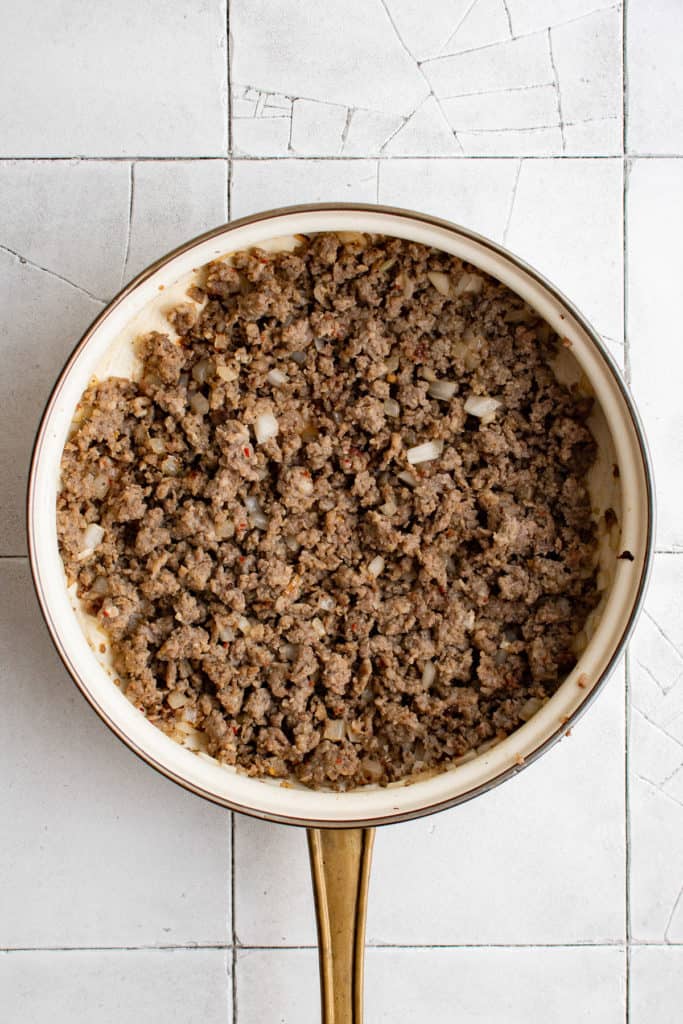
(340, 865)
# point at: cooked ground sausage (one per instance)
(276, 568)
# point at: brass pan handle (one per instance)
(340, 866)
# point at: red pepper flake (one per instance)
(338, 760)
(235, 729)
(247, 453)
(242, 558)
(354, 627)
(105, 613)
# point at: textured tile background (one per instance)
(126, 130)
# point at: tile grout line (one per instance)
(217, 157)
(627, 658)
(233, 930)
(222, 947)
(228, 58)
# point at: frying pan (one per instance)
(341, 825)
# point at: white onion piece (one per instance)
(227, 373)
(265, 427)
(256, 514)
(424, 452)
(92, 537)
(157, 445)
(243, 624)
(391, 407)
(319, 345)
(376, 566)
(276, 378)
(318, 627)
(483, 407)
(226, 634)
(201, 370)
(441, 282)
(428, 673)
(529, 708)
(443, 390)
(199, 404)
(407, 478)
(326, 602)
(334, 729)
(176, 699)
(350, 236)
(469, 284)
(388, 508)
(304, 484)
(299, 357)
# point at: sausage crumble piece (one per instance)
(341, 526)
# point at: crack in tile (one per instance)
(522, 35)
(404, 122)
(659, 728)
(648, 671)
(672, 916)
(512, 202)
(52, 273)
(661, 791)
(497, 92)
(418, 65)
(507, 15)
(558, 92)
(456, 29)
(345, 131)
(131, 194)
(663, 634)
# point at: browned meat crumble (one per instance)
(314, 602)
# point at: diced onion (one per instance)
(376, 566)
(276, 378)
(157, 445)
(483, 407)
(91, 538)
(326, 602)
(256, 513)
(424, 452)
(529, 708)
(428, 673)
(441, 282)
(469, 284)
(227, 373)
(243, 624)
(226, 634)
(177, 699)
(201, 370)
(199, 404)
(224, 529)
(304, 484)
(407, 477)
(443, 390)
(350, 236)
(388, 508)
(170, 465)
(319, 345)
(265, 427)
(391, 407)
(334, 729)
(318, 627)
(299, 357)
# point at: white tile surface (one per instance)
(264, 184)
(109, 987)
(470, 986)
(655, 222)
(538, 860)
(97, 849)
(504, 115)
(656, 985)
(173, 202)
(656, 759)
(135, 78)
(655, 93)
